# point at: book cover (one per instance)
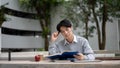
(63, 56)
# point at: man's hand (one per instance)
(79, 56)
(54, 36)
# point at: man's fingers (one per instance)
(56, 34)
(79, 56)
(76, 56)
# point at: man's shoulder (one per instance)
(81, 38)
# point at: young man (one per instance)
(70, 42)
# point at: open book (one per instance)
(63, 56)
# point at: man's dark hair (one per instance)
(65, 23)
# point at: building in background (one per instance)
(23, 31)
(20, 29)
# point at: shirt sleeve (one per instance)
(53, 48)
(87, 51)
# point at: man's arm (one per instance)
(89, 57)
(87, 54)
(52, 47)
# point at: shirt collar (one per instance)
(74, 40)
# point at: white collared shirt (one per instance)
(74, 40)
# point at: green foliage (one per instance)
(42, 8)
(30, 4)
(78, 9)
(91, 30)
(79, 13)
(113, 8)
(45, 32)
(2, 14)
(41, 49)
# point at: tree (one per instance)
(42, 7)
(107, 9)
(2, 15)
(79, 13)
(98, 11)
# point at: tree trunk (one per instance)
(46, 43)
(86, 26)
(104, 25)
(43, 24)
(86, 13)
(97, 26)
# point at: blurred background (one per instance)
(26, 25)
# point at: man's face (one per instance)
(66, 32)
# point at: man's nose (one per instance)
(66, 32)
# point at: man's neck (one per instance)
(70, 40)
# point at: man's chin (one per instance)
(67, 38)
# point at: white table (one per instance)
(60, 64)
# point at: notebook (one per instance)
(63, 56)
